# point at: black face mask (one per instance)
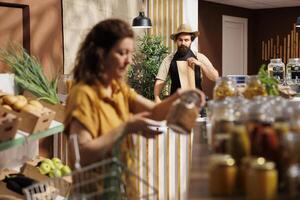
(182, 50)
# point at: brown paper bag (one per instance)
(186, 75)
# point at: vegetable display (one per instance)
(29, 73)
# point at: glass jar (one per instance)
(290, 157)
(222, 175)
(254, 88)
(293, 174)
(292, 144)
(263, 138)
(238, 145)
(64, 85)
(293, 71)
(225, 87)
(222, 122)
(295, 117)
(276, 69)
(245, 166)
(183, 113)
(261, 181)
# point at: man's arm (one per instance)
(206, 66)
(161, 77)
(158, 86)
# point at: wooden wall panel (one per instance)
(37, 25)
(166, 16)
(210, 35)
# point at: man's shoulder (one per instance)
(200, 56)
(170, 56)
(167, 60)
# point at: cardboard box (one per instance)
(8, 126)
(30, 169)
(6, 193)
(30, 122)
(58, 108)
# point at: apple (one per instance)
(49, 162)
(57, 163)
(65, 170)
(44, 168)
(55, 173)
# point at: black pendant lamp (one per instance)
(298, 22)
(141, 21)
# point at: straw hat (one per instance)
(184, 28)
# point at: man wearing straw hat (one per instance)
(184, 66)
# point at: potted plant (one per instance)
(146, 61)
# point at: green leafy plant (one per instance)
(146, 61)
(270, 83)
(29, 73)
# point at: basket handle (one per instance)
(74, 139)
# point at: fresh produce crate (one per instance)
(33, 122)
(34, 117)
(30, 169)
(58, 108)
(8, 125)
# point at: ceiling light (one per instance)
(298, 22)
(141, 21)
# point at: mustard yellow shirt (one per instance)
(95, 110)
(99, 114)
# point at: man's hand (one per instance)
(193, 61)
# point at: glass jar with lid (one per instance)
(64, 86)
(293, 71)
(254, 88)
(183, 113)
(294, 121)
(264, 140)
(222, 122)
(225, 87)
(261, 181)
(293, 177)
(222, 175)
(276, 69)
(245, 166)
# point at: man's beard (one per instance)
(182, 50)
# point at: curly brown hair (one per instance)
(104, 35)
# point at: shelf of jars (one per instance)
(255, 141)
(22, 137)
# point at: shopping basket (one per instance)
(51, 189)
(108, 179)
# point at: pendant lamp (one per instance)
(298, 22)
(142, 21)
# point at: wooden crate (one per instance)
(58, 108)
(32, 123)
(30, 169)
(8, 126)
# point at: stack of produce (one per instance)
(29, 73)
(53, 168)
(19, 103)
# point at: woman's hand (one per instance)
(200, 103)
(142, 125)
